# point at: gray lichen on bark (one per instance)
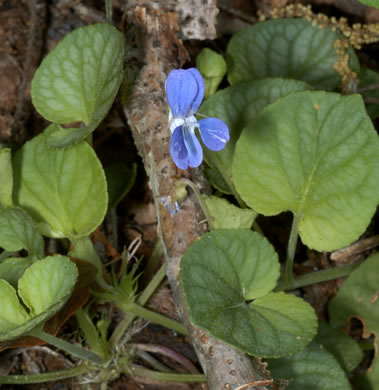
(197, 18)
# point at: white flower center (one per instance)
(189, 122)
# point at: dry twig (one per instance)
(153, 27)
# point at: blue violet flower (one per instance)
(185, 92)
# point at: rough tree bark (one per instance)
(152, 30)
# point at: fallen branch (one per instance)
(151, 31)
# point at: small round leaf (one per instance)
(228, 216)
(79, 79)
(47, 282)
(64, 190)
(44, 288)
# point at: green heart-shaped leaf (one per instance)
(290, 48)
(238, 104)
(79, 80)
(313, 368)
(224, 269)
(64, 190)
(44, 287)
(358, 297)
(19, 231)
(316, 154)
